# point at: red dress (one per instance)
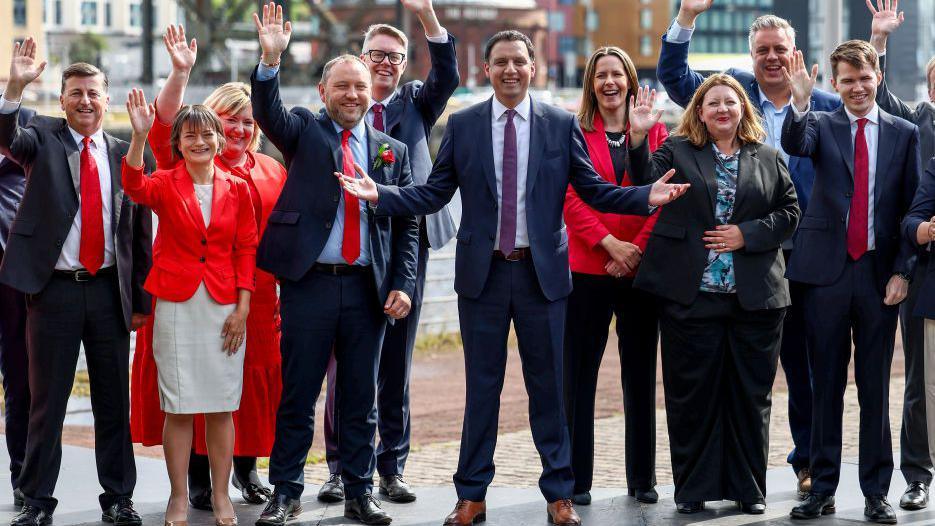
(262, 382)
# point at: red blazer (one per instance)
(586, 226)
(185, 253)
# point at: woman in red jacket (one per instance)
(204, 260)
(604, 252)
(255, 421)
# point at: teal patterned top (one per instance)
(719, 272)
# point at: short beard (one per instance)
(340, 121)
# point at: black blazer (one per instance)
(300, 223)
(765, 209)
(49, 156)
(923, 208)
(12, 184)
(821, 242)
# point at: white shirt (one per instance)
(68, 259)
(872, 134)
(521, 123)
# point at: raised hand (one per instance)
(273, 34)
(690, 9)
(181, 53)
(801, 80)
(142, 115)
(886, 17)
(417, 6)
(663, 192)
(362, 187)
(24, 68)
(642, 115)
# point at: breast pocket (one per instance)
(22, 227)
(284, 217)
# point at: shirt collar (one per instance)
(522, 109)
(873, 116)
(385, 102)
(97, 137)
(359, 131)
(764, 100)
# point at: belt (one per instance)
(340, 269)
(516, 255)
(82, 275)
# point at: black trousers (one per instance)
(793, 355)
(718, 364)
(915, 461)
(851, 305)
(14, 366)
(62, 316)
(592, 304)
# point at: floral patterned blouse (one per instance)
(719, 272)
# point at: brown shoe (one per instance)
(466, 513)
(562, 513)
(805, 483)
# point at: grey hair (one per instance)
(326, 72)
(770, 22)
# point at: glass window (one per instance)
(557, 21)
(646, 46)
(136, 15)
(646, 18)
(567, 44)
(19, 12)
(89, 13)
(109, 13)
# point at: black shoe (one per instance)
(916, 496)
(813, 507)
(878, 510)
(582, 499)
(121, 513)
(279, 509)
(396, 489)
(752, 508)
(19, 500)
(252, 492)
(332, 490)
(646, 496)
(366, 510)
(201, 499)
(31, 516)
(689, 507)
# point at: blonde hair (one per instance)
(589, 99)
(857, 53)
(929, 68)
(770, 22)
(231, 99)
(200, 117)
(385, 29)
(690, 126)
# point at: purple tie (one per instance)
(508, 192)
(378, 116)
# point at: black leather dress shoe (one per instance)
(18, 498)
(646, 496)
(916, 496)
(366, 510)
(252, 492)
(31, 516)
(279, 509)
(121, 513)
(752, 508)
(813, 507)
(332, 490)
(201, 499)
(396, 489)
(878, 510)
(689, 507)
(582, 499)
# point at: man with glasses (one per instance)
(406, 113)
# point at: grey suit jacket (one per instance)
(12, 185)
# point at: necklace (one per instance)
(616, 143)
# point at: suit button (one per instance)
(336, 198)
(58, 243)
(328, 224)
(201, 259)
(844, 220)
(848, 194)
(204, 241)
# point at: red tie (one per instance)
(860, 199)
(350, 247)
(91, 253)
(378, 116)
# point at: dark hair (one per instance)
(510, 35)
(857, 53)
(200, 117)
(82, 70)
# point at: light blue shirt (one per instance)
(772, 120)
(331, 254)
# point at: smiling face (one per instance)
(384, 76)
(510, 69)
(610, 84)
(772, 50)
(198, 144)
(346, 93)
(857, 86)
(85, 101)
(238, 130)
(721, 112)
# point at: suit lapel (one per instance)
(334, 141)
(748, 165)
(886, 143)
(393, 113)
(74, 158)
(538, 128)
(220, 195)
(116, 188)
(704, 157)
(186, 190)
(842, 134)
(373, 147)
(485, 143)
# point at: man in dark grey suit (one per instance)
(406, 113)
(79, 249)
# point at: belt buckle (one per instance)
(82, 276)
(513, 256)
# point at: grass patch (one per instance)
(430, 344)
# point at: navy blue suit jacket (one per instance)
(12, 185)
(923, 208)
(301, 221)
(557, 157)
(821, 242)
(681, 82)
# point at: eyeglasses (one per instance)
(377, 56)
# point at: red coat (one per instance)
(185, 252)
(586, 226)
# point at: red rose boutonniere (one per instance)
(385, 157)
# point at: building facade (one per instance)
(19, 19)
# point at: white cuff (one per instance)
(440, 39)
(9, 106)
(678, 34)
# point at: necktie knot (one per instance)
(378, 108)
(87, 141)
(510, 113)
(861, 123)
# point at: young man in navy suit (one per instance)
(512, 158)
(849, 252)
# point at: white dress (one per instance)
(195, 374)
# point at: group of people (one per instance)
(775, 222)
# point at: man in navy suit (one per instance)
(406, 113)
(512, 159)
(342, 271)
(849, 252)
(772, 42)
(13, 360)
